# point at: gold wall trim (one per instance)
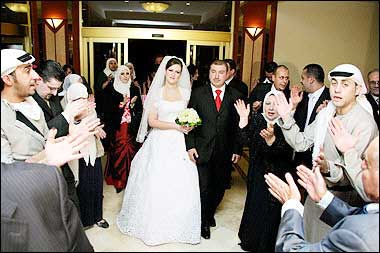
(146, 33)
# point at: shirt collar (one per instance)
(229, 80)
(317, 93)
(223, 88)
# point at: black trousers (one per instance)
(213, 178)
(70, 180)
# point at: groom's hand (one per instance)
(193, 154)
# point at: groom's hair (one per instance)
(220, 62)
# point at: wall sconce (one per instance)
(54, 23)
(253, 31)
(17, 7)
(156, 7)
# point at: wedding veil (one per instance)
(154, 93)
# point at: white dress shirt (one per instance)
(313, 98)
(223, 88)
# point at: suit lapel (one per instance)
(42, 103)
(225, 101)
(324, 96)
(210, 99)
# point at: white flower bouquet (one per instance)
(188, 117)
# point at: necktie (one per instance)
(218, 101)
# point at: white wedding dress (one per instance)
(162, 202)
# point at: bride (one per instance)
(162, 201)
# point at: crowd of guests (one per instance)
(175, 176)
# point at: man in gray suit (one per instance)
(353, 228)
(36, 213)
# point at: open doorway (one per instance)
(141, 53)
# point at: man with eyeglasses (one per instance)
(373, 94)
(280, 79)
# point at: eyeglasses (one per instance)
(373, 82)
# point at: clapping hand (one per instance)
(256, 105)
(76, 108)
(321, 106)
(268, 134)
(321, 162)
(243, 111)
(296, 96)
(342, 139)
(91, 98)
(87, 124)
(283, 107)
(64, 149)
(99, 132)
(312, 181)
(133, 101)
(281, 190)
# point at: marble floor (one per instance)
(223, 236)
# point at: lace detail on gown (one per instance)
(162, 202)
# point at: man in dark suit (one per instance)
(52, 76)
(373, 94)
(280, 82)
(36, 213)
(312, 79)
(233, 81)
(269, 69)
(213, 145)
(353, 228)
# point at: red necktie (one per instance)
(218, 101)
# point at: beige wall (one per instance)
(327, 33)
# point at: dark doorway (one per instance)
(142, 52)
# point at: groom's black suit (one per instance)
(215, 141)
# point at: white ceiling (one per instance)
(203, 11)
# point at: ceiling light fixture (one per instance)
(188, 3)
(156, 7)
(181, 12)
(17, 7)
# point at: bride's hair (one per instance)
(173, 61)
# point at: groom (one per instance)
(213, 146)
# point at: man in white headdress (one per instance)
(350, 108)
(23, 126)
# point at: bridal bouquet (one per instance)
(188, 117)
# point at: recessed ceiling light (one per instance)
(130, 10)
(188, 3)
(181, 12)
(126, 1)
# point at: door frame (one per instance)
(120, 35)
